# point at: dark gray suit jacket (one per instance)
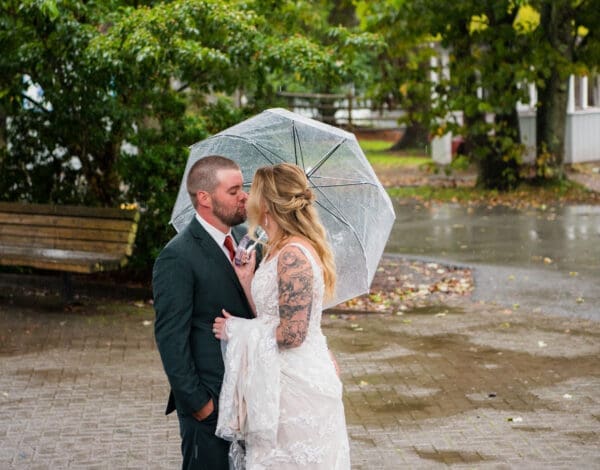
(192, 281)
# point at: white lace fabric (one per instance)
(285, 404)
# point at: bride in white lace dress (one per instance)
(281, 393)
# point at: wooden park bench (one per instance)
(70, 239)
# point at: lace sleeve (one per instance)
(249, 399)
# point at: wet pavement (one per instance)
(545, 258)
(448, 382)
(443, 366)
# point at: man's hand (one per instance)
(205, 411)
(219, 325)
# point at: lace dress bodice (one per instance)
(265, 292)
(285, 403)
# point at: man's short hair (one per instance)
(203, 174)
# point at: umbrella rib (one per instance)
(325, 158)
(297, 146)
(359, 183)
(256, 145)
(337, 178)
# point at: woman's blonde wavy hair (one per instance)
(283, 191)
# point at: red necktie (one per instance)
(229, 245)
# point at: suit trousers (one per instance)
(200, 448)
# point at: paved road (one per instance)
(467, 385)
(544, 258)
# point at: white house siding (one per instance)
(582, 142)
(582, 133)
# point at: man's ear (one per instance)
(203, 198)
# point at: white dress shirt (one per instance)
(216, 234)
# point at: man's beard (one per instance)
(232, 218)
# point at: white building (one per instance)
(582, 133)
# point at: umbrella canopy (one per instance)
(353, 205)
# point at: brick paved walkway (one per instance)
(467, 386)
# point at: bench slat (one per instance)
(66, 234)
(38, 220)
(61, 260)
(81, 245)
(75, 211)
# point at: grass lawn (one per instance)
(378, 154)
(525, 194)
(410, 175)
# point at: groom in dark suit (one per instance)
(193, 280)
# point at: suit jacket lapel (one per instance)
(214, 251)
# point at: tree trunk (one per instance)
(551, 121)
(551, 114)
(500, 168)
(415, 136)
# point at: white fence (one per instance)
(344, 110)
(582, 133)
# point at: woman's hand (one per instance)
(219, 325)
(245, 271)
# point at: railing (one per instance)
(344, 110)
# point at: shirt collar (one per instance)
(214, 232)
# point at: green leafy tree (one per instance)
(495, 50)
(566, 42)
(489, 66)
(128, 86)
(483, 79)
(401, 74)
(323, 50)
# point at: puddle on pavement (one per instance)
(401, 405)
(533, 428)
(435, 310)
(453, 456)
(583, 436)
(359, 346)
(453, 366)
(365, 440)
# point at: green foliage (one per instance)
(495, 49)
(539, 194)
(566, 42)
(152, 173)
(401, 69)
(128, 86)
(546, 164)
(460, 163)
(483, 77)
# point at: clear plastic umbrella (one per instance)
(353, 205)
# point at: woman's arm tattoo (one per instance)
(295, 280)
